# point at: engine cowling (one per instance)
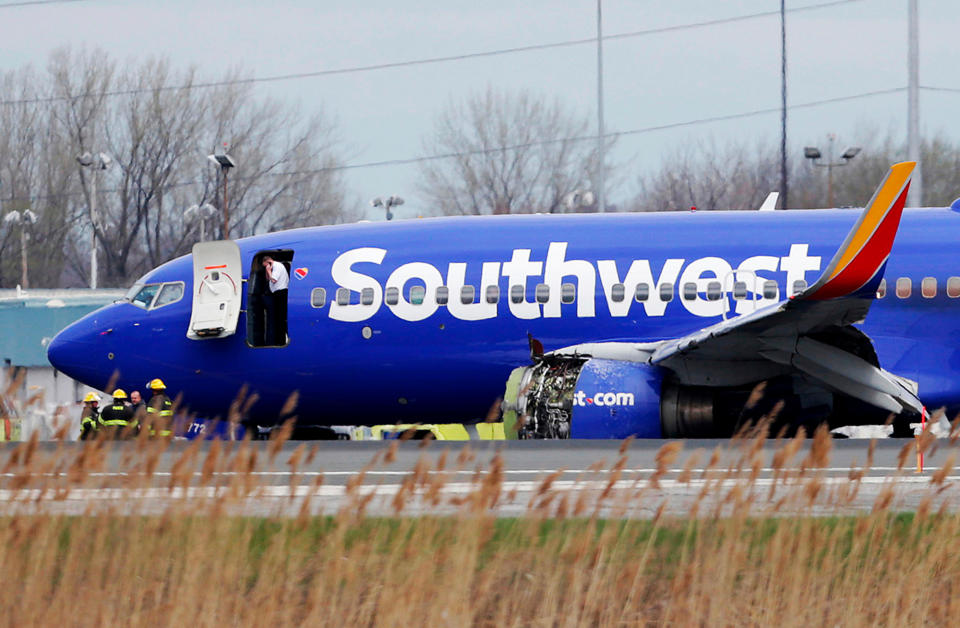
(583, 398)
(614, 399)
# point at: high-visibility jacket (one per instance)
(117, 418)
(160, 415)
(89, 422)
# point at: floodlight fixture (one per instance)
(813, 153)
(391, 201)
(223, 160)
(850, 153)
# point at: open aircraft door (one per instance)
(217, 290)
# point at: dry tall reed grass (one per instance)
(738, 558)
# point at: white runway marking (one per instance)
(374, 473)
(456, 488)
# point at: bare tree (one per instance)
(33, 175)
(508, 153)
(159, 125)
(736, 176)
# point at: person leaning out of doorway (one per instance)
(278, 280)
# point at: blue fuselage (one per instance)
(413, 361)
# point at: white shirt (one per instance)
(279, 279)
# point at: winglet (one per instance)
(857, 268)
(770, 203)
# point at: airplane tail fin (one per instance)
(857, 268)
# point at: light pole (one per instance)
(100, 161)
(386, 204)
(200, 213)
(225, 161)
(601, 129)
(813, 154)
(25, 219)
(915, 195)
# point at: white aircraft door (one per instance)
(217, 290)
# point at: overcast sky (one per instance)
(672, 77)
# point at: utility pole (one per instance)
(783, 105)
(601, 133)
(915, 195)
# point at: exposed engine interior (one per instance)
(544, 403)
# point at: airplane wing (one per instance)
(809, 331)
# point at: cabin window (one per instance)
(543, 293)
(493, 294)
(366, 296)
(739, 290)
(618, 293)
(169, 293)
(689, 291)
(568, 293)
(318, 297)
(642, 293)
(714, 291)
(769, 289)
(516, 294)
(343, 296)
(467, 294)
(443, 295)
(882, 289)
(392, 295)
(799, 286)
(417, 295)
(904, 287)
(953, 287)
(928, 287)
(666, 292)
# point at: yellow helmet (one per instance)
(119, 393)
(157, 384)
(91, 396)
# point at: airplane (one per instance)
(659, 325)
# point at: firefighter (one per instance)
(159, 420)
(117, 419)
(90, 416)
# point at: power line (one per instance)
(432, 60)
(486, 151)
(30, 3)
(931, 88)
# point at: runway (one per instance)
(639, 479)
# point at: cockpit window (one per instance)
(154, 295)
(144, 297)
(170, 293)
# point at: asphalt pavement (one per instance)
(641, 478)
